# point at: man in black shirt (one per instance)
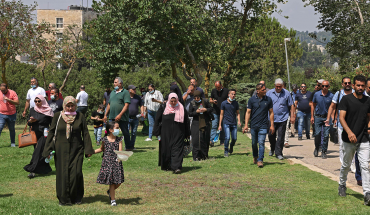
(318, 88)
(55, 103)
(218, 95)
(354, 117)
(304, 110)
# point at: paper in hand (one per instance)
(123, 155)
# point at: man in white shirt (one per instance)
(32, 93)
(81, 100)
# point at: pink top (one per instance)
(6, 107)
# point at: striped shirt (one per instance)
(153, 106)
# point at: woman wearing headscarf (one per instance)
(175, 89)
(72, 141)
(172, 125)
(40, 119)
(200, 109)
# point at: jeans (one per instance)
(151, 119)
(133, 123)
(97, 133)
(123, 125)
(214, 129)
(320, 126)
(82, 109)
(258, 137)
(362, 150)
(230, 129)
(277, 145)
(304, 120)
(10, 120)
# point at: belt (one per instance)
(132, 117)
(322, 116)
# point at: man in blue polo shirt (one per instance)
(321, 102)
(282, 104)
(258, 108)
(229, 112)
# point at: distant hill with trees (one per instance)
(322, 36)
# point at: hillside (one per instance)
(304, 36)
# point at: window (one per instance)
(59, 22)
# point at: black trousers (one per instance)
(278, 145)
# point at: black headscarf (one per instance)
(176, 89)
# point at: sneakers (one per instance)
(260, 164)
(359, 182)
(292, 135)
(178, 171)
(300, 138)
(323, 155)
(255, 160)
(367, 199)
(308, 137)
(31, 175)
(280, 157)
(271, 153)
(211, 144)
(12, 145)
(148, 139)
(286, 145)
(342, 190)
(113, 203)
(226, 154)
(316, 153)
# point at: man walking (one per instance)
(218, 95)
(229, 112)
(81, 100)
(8, 113)
(117, 108)
(55, 103)
(32, 93)
(194, 82)
(302, 103)
(354, 117)
(135, 103)
(259, 107)
(282, 101)
(321, 102)
(188, 96)
(52, 86)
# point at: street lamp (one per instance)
(287, 65)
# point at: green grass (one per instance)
(217, 186)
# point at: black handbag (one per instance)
(334, 130)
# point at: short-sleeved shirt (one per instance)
(56, 105)
(229, 112)
(6, 108)
(294, 95)
(322, 102)
(98, 124)
(281, 103)
(303, 104)
(356, 116)
(48, 95)
(106, 96)
(136, 102)
(82, 98)
(188, 100)
(117, 102)
(219, 96)
(32, 93)
(335, 101)
(313, 93)
(259, 111)
(201, 92)
(149, 104)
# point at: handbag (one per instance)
(188, 147)
(334, 130)
(27, 138)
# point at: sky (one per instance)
(300, 18)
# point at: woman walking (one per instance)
(40, 119)
(153, 100)
(72, 141)
(172, 124)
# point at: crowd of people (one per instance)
(188, 120)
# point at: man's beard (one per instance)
(359, 92)
(347, 89)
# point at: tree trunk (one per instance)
(194, 64)
(207, 80)
(66, 78)
(184, 72)
(3, 77)
(43, 73)
(177, 79)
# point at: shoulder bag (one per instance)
(27, 138)
(334, 130)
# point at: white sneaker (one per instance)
(12, 145)
(103, 129)
(148, 139)
(353, 168)
(113, 203)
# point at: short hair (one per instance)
(259, 86)
(56, 90)
(232, 90)
(367, 80)
(173, 83)
(101, 106)
(4, 85)
(53, 85)
(152, 86)
(360, 78)
(294, 86)
(218, 82)
(82, 87)
(304, 84)
(119, 80)
(194, 79)
(279, 81)
(33, 78)
(345, 78)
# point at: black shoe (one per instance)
(108, 192)
(31, 175)
(342, 190)
(211, 144)
(226, 154)
(292, 135)
(231, 149)
(308, 137)
(359, 182)
(316, 153)
(299, 138)
(367, 199)
(323, 155)
(271, 153)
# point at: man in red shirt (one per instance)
(52, 86)
(8, 113)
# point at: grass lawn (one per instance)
(232, 185)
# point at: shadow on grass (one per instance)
(105, 198)
(189, 168)
(45, 175)
(6, 195)
(358, 196)
(247, 153)
(149, 148)
(272, 163)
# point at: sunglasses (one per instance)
(303, 87)
(346, 83)
(325, 85)
(37, 101)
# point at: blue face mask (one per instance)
(116, 87)
(100, 112)
(199, 101)
(151, 92)
(33, 86)
(52, 97)
(116, 132)
(143, 93)
(176, 105)
(231, 99)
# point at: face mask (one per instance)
(33, 86)
(198, 101)
(52, 97)
(70, 113)
(151, 92)
(231, 99)
(176, 105)
(115, 132)
(116, 87)
(101, 112)
(143, 93)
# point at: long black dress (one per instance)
(172, 135)
(200, 132)
(37, 164)
(69, 155)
